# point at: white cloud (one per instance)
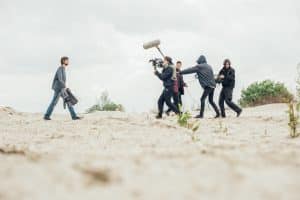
(104, 39)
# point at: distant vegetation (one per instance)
(265, 92)
(104, 103)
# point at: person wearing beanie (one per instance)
(207, 81)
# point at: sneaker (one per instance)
(199, 117)
(47, 118)
(77, 118)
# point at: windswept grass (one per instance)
(184, 120)
(293, 113)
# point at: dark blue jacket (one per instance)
(166, 76)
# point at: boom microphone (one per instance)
(149, 45)
(153, 44)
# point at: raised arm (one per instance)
(168, 73)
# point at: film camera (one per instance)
(157, 62)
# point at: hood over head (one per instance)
(201, 60)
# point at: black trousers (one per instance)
(176, 101)
(208, 92)
(226, 96)
(165, 97)
(180, 98)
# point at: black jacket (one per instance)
(204, 72)
(229, 80)
(69, 98)
(166, 76)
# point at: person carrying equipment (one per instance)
(168, 81)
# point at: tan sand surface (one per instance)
(133, 156)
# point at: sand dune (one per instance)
(133, 156)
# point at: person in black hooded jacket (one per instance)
(227, 78)
(207, 81)
(166, 76)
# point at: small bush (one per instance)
(184, 121)
(105, 104)
(265, 92)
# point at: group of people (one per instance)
(174, 86)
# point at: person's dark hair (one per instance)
(169, 59)
(63, 59)
(227, 61)
(179, 62)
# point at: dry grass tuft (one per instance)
(293, 119)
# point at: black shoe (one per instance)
(217, 116)
(77, 118)
(168, 113)
(159, 116)
(238, 114)
(199, 117)
(47, 118)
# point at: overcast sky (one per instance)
(104, 42)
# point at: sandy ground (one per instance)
(125, 156)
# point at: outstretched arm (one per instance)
(190, 70)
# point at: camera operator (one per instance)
(167, 76)
(227, 78)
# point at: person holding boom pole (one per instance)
(167, 77)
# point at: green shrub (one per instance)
(105, 104)
(183, 119)
(265, 92)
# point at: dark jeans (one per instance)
(226, 96)
(165, 97)
(208, 92)
(53, 104)
(176, 101)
